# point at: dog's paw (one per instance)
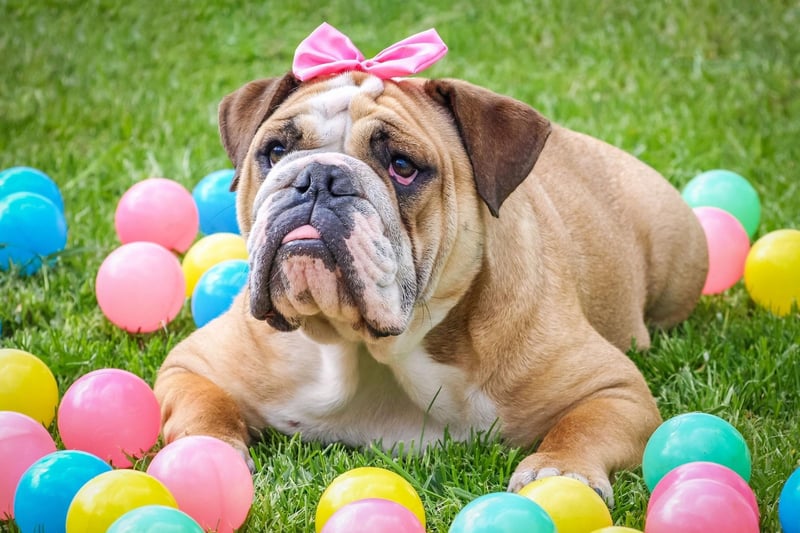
(542, 465)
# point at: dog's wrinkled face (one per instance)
(354, 194)
(331, 196)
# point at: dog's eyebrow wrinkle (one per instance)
(329, 112)
(341, 93)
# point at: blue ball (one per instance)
(789, 504)
(690, 437)
(27, 179)
(155, 519)
(31, 226)
(47, 487)
(216, 203)
(216, 289)
(502, 512)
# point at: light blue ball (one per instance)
(155, 519)
(27, 179)
(691, 437)
(216, 203)
(728, 191)
(217, 288)
(502, 512)
(31, 227)
(789, 504)
(47, 487)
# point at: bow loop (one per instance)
(329, 51)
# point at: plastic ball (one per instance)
(704, 470)
(373, 514)
(46, 489)
(105, 498)
(209, 479)
(140, 287)
(502, 511)
(217, 288)
(157, 210)
(216, 203)
(367, 482)
(789, 504)
(772, 271)
(694, 437)
(208, 252)
(155, 519)
(728, 191)
(700, 506)
(617, 529)
(27, 179)
(31, 227)
(110, 413)
(728, 246)
(574, 506)
(27, 386)
(23, 441)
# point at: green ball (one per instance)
(155, 519)
(726, 190)
(694, 437)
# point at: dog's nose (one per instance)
(319, 177)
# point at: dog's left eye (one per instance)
(403, 170)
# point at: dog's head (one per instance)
(355, 194)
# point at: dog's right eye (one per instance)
(275, 152)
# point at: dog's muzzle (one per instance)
(324, 251)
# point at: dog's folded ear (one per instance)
(503, 136)
(244, 110)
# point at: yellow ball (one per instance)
(367, 482)
(209, 251)
(110, 495)
(27, 386)
(616, 529)
(573, 506)
(772, 271)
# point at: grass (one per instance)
(103, 93)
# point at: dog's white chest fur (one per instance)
(350, 397)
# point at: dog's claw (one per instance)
(251, 465)
(526, 474)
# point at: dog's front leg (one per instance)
(192, 404)
(604, 432)
(216, 381)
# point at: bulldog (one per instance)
(429, 257)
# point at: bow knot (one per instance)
(329, 51)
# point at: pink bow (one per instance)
(329, 51)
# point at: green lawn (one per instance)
(101, 94)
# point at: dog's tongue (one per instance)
(303, 232)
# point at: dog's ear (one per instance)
(243, 111)
(502, 136)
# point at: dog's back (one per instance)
(639, 252)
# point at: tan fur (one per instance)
(531, 310)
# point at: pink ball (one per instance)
(704, 470)
(23, 441)
(110, 413)
(140, 287)
(700, 506)
(158, 210)
(209, 479)
(373, 514)
(728, 245)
